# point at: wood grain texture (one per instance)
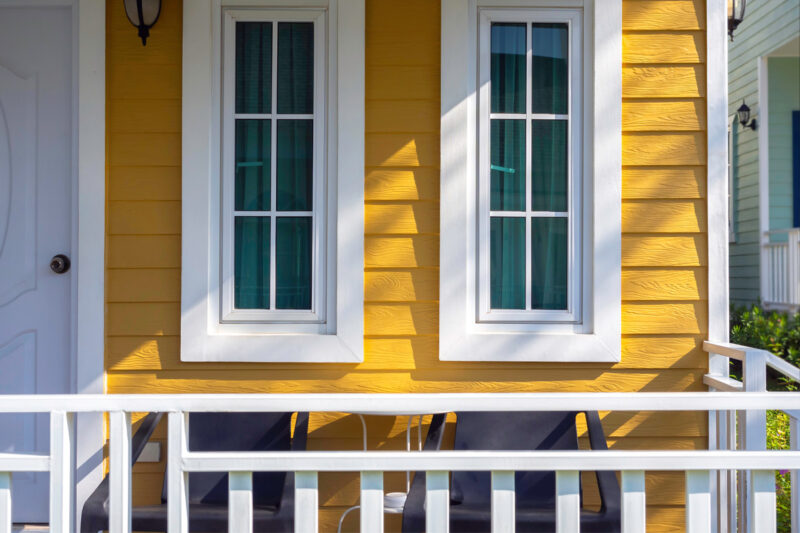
(663, 216)
(401, 286)
(662, 81)
(144, 251)
(663, 47)
(663, 182)
(143, 285)
(653, 285)
(400, 116)
(663, 15)
(401, 219)
(402, 252)
(143, 319)
(402, 82)
(664, 317)
(664, 250)
(664, 115)
(657, 149)
(402, 150)
(401, 183)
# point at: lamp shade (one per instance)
(143, 14)
(735, 14)
(744, 114)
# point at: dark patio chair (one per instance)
(470, 492)
(273, 492)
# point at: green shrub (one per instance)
(778, 439)
(777, 332)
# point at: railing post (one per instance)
(762, 502)
(372, 502)
(437, 502)
(503, 502)
(62, 453)
(698, 501)
(119, 513)
(634, 512)
(306, 502)
(5, 502)
(240, 502)
(795, 486)
(568, 501)
(754, 370)
(177, 479)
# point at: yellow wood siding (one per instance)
(664, 280)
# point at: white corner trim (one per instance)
(201, 337)
(763, 171)
(460, 337)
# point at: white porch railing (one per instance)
(781, 270)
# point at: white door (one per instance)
(36, 190)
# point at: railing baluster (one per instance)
(120, 473)
(437, 501)
(177, 479)
(372, 502)
(62, 442)
(240, 502)
(795, 479)
(634, 512)
(5, 502)
(568, 501)
(762, 502)
(698, 501)
(306, 502)
(503, 502)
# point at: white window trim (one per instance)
(598, 337)
(732, 124)
(203, 336)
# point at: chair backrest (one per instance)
(512, 431)
(244, 432)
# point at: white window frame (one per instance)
(596, 334)
(210, 329)
(572, 17)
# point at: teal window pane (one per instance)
(295, 67)
(253, 143)
(549, 165)
(508, 68)
(508, 165)
(253, 67)
(549, 263)
(295, 165)
(251, 263)
(293, 263)
(549, 69)
(507, 263)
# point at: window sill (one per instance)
(532, 347)
(272, 348)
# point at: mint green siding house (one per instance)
(764, 74)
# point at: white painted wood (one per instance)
(62, 468)
(503, 502)
(437, 501)
(119, 473)
(568, 501)
(372, 501)
(177, 477)
(240, 502)
(634, 512)
(306, 502)
(205, 336)
(24, 462)
(794, 444)
(698, 501)
(762, 502)
(763, 173)
(5, 502)
(723, 383)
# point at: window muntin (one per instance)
(529, 192)
(273, 178)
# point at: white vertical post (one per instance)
(503, 502)
(5, 502)
(240, 502)
(762, 502)
(177, 479)
(62, 449)
(437, 502)
(634, 512)
(568, 501)
(754, 370)
(306, 502)
(733, 524)
(794, 444)
(698, 501)
(119, 514)
(372, 502)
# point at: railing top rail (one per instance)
(782, 231)
(476, 460)
(737, 351)
(401, 404)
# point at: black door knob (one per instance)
(59, 264)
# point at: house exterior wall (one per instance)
(664, 242)
(784, 97)
(767, 25)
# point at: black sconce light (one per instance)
(735, 15)
(143, 14)
(744, 117)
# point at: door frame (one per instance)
(88, 226)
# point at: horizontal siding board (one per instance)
(663, 15)
(143, 285)
(144, 251)
(144, 183)
(664, 250)
(144, 218)
(663, 47)
(402, 150)
(664, 182)
(648, 148)
(398, 184)
(654, 285)
(662, 81)
(401, 252)
(402, 219)
(663, 115)
(663, 216)
(664, 317)
(401, 286)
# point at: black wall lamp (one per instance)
(735, 15)
(143, 14)
(744, 117)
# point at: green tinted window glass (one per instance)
(295, 165)
(508, 165)
(295, 67)
(293, 263)
(508, 68)
(253, 67)
(507, 263)
(549, 263)
(253, 166)
(251, 263)
(549, 69)
(549, 165)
